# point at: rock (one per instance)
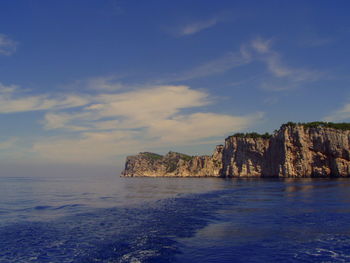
(174, 164)
(295, 150)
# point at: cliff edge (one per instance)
(314, 149)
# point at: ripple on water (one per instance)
(230, 225)
(120, 234)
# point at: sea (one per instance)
(106, 218)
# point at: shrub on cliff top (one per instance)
(339, 126)
(253, 135)
(185, 157)
(315, 124)
(152, 156)
(182, 156)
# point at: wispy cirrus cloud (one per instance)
(339, 115)
(108, 83)
(102, 83)
(312, 37)
(195, 26)
(317, 41)
(280, 75)
(13, 100)
(216, 66)
(261, 45)
(277, 67)
(7, 45)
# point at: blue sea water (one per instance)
(111, 219)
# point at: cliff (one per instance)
(295, 150)
(174, 164)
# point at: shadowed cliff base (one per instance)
(315, 149)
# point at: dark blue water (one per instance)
(112, 219)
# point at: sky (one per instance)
(85, 83)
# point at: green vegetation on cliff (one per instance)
(172, 160)
(185, 157)
(315, 124)
(170, 155)
(339, 126)
(152, 156)
(253, 135)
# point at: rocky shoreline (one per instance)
(295, 150)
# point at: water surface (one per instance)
(112, 219)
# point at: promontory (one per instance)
(315, 149)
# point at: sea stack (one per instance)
(315, 149)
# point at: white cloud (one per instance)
(103, 83)
(164, 100)
(278, 69)
(261, 45)
(339, 115)
(114, 122)
(283, 77)
(41, 102)
(107, 83)
(12, 100)
(197, 26)
(135, 109)
(7, 45)
(7, 89)
(104, 146)
(216, 66)
(145, 119)
(194, 27)
(201, 125)
(54, 121)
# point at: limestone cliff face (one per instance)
(307, 152)
(174, 164)
(244, 156)
(293, 151)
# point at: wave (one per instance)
(232, 225)
(42, 207)
(121, 234)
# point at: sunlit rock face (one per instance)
(174, 164)
(244, 156)
(292, 151)
(312, 152)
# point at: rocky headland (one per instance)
(315, 149)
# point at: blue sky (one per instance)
(89, 82)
